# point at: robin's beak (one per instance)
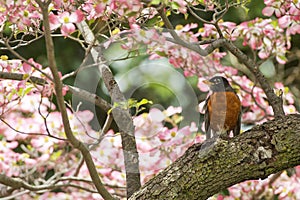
(207, 82)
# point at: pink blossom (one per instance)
(284, 21)
(156, 115)
(268, 11)
(26, 68)
(66, 20)
(202, 86)
(171, 110)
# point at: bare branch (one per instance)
(18, 183)
(121, 116)
(21, 42)
(176, 38)
(62, 107)
(93, 98)
(20, 77)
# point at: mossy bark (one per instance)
(207, 168)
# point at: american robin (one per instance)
(222, 108)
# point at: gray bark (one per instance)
(205, 169)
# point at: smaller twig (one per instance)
(31, 134)
(81, 161)
(221, 13)
(15, 195)
(26, 61)
(107, 124)
(79, 120)
(275, 101)
(44, 117)
(197, 16)
(253, 97)
(93, 98)
(21, 42)
(102, 132)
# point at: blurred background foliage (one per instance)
(69, 56)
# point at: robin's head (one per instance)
(218, 84)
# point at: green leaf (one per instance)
(20, 92)
(25, 76)
(131, 103)
(10, 95)
(225, 192)
(186, 15)
(155, 2)
(24, 91)
(27, 90)
(143, 102)
(175, 5)
(161, 53)
(55, 155)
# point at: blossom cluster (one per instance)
(159, 45)
(14, 91)
(266, 37)
(287, 12)
(159, 145)
(25, 16)
(286, 186)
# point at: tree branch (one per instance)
(62, 107)
(18, 183)
(93, 98)
(121, 116)
(124, 121)
(274, 100)
(175, 36)
(207, 168)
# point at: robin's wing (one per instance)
(237, 129)
(206, 115)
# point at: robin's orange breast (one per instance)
(224, 109)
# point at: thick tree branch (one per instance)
(20, 77)
(125, 124)
(207, 168)
(121, 116)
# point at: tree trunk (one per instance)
(205, 169)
